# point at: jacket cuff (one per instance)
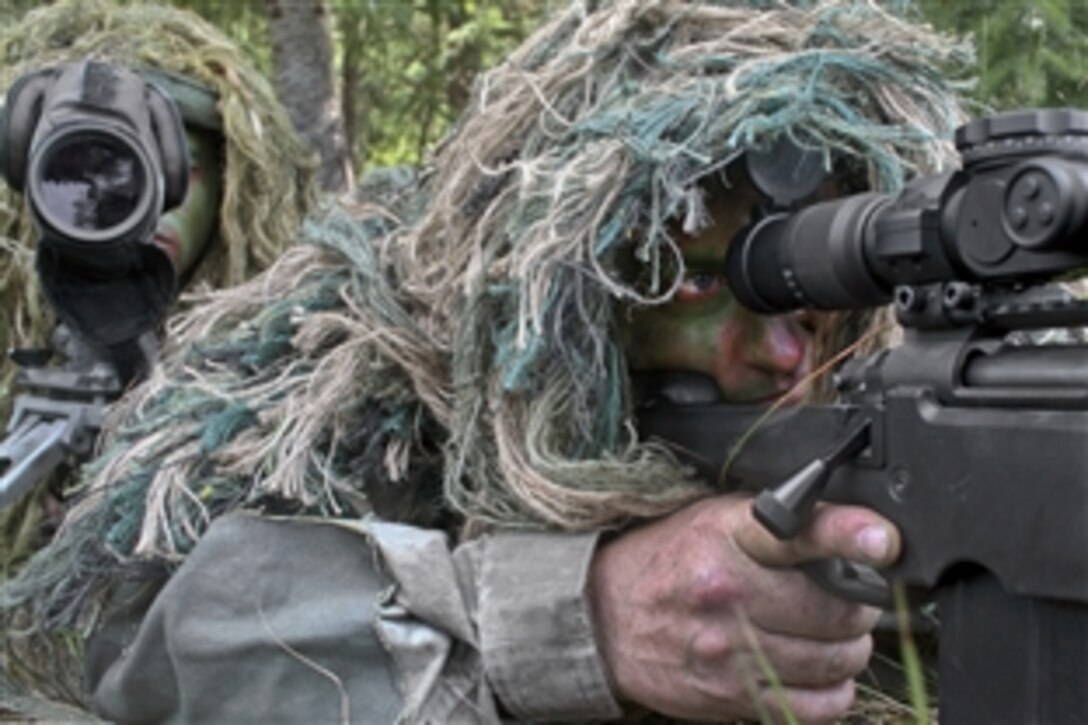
(536, 632)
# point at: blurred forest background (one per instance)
(376, 82)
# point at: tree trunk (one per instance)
(302, 60)
(466, 63)
(351, 20)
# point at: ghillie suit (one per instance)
(446, 351)
(265, 188)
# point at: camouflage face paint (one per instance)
(703, 329)
(184, 231)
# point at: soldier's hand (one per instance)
(700, 615)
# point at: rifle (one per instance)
(971, 435)
(57, 416)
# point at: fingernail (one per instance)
(874, 542)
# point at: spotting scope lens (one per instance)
(91, 185)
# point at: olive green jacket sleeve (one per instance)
(305, 620)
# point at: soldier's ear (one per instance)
(19, 118)
(169, 130)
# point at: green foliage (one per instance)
(912, 662)
(1031, 53)
(408, 66)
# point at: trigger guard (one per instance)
(855, 582)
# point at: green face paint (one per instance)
(186, 230)
(703, 329)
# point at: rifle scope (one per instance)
(1018, 209)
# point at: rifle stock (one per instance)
(981, 460)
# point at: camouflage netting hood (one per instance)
(458, 340)
(268, 168)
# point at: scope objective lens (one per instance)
(92, 183)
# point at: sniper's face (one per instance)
(184, 232)
(703, 329)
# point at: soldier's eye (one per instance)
(698, 286)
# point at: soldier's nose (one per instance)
(781, 347)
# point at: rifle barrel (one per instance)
(1063, 366)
